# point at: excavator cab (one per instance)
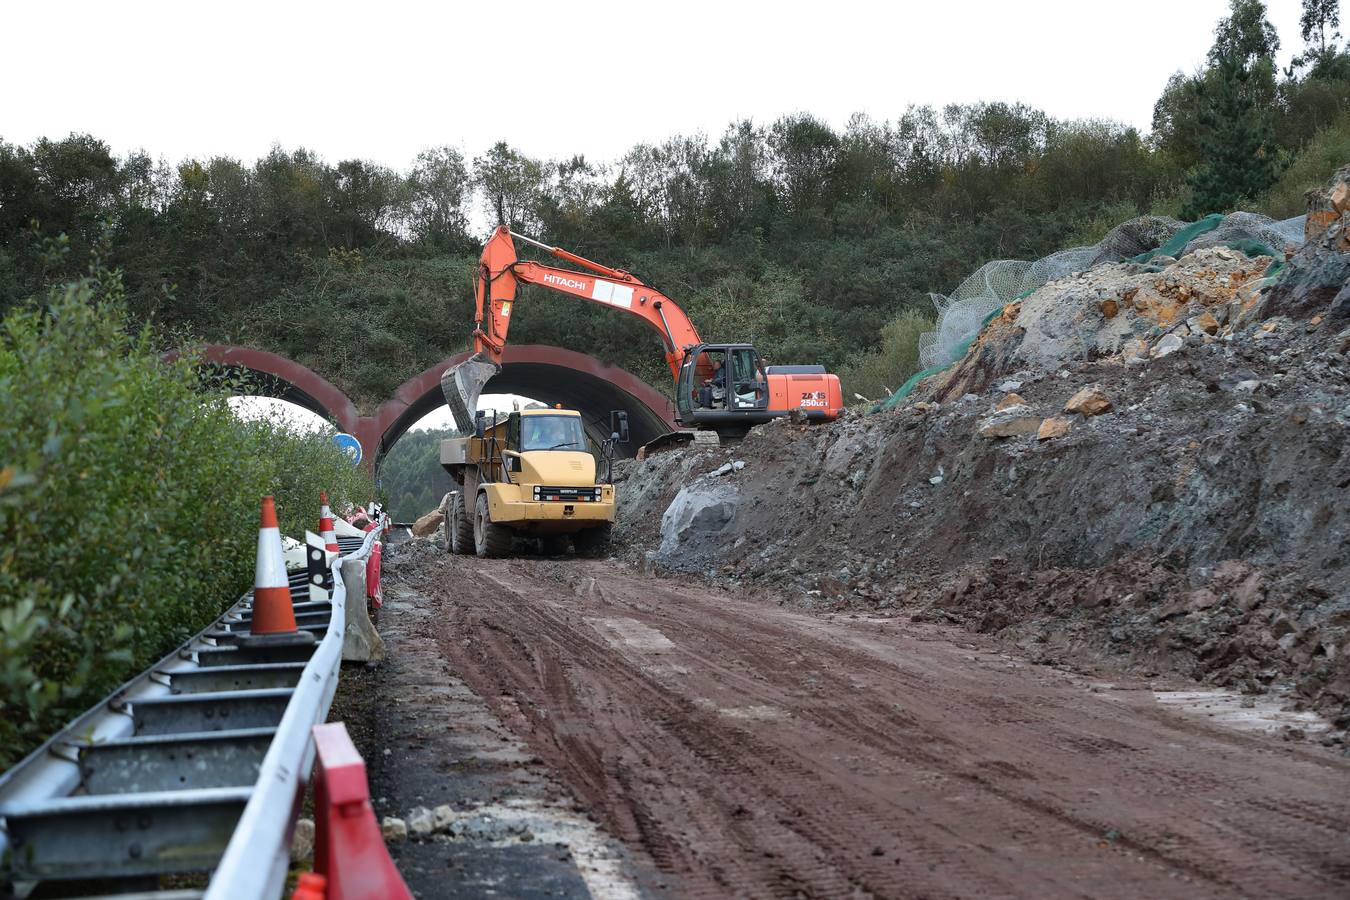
(722, 384)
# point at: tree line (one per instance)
(816, 243)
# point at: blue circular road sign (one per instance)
(350, 445)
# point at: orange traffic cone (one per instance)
(272, 609)
(326, 525)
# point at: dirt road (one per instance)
(752, 751)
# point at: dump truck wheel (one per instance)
(459, 527)
(490, 540)
(593, 541)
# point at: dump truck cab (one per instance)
(532, 474)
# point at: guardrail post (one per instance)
(349, 849)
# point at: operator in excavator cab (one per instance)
(714, 390)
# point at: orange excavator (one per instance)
(724, 387)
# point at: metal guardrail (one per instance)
(196, 764)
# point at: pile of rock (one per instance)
(1317, 279)
(1013, 417)
(1140, 311)
(444, 821)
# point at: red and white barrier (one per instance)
(326, 524)
(374, 593)
(349, 849)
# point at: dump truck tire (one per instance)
(491, 541)
(593, 541)
(459, 527)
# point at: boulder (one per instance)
(427, 525)
(1053, 428)
(421, 822)
(1205, 322)
(1012, 399)
(1169, 344)
(1088, 402)
(696, 513)
(442, 817)
(394, 830)
(302, 840)
(1010, 422)
(1315, 278)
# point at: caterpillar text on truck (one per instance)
(724, 387)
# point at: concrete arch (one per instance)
(293, 382)
(548, 374)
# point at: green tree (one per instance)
(511, 184)
(1246, 35)
(1321, 19)
(1239, 153)
(440, 188)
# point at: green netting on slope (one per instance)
(905, 389)
(908, 387)
(1174, 245)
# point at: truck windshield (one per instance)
(551, 433)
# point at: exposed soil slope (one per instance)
(1141, 463)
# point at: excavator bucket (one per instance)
(462, 385)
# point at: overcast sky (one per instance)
(385, 80)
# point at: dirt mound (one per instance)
(1117, 529)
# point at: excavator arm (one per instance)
(501, 272)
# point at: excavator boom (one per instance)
(501, 272)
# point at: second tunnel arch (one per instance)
(545, 373)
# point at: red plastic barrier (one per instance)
(374, 593)
(349, 850)
(311, 886)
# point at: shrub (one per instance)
(1325, 153)
(129, 498)
(876, 373)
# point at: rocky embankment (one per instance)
(1144, 463)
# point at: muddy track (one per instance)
(751, 751)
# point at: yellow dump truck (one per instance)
(530, 475)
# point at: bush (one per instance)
(129, 497)
(876, 373)
(1325, 153)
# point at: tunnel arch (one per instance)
(288, 380)
(548, 374)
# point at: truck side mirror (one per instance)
(479, 424)
(618, 425)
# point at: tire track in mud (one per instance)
(764, 753)
(1208, 864)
